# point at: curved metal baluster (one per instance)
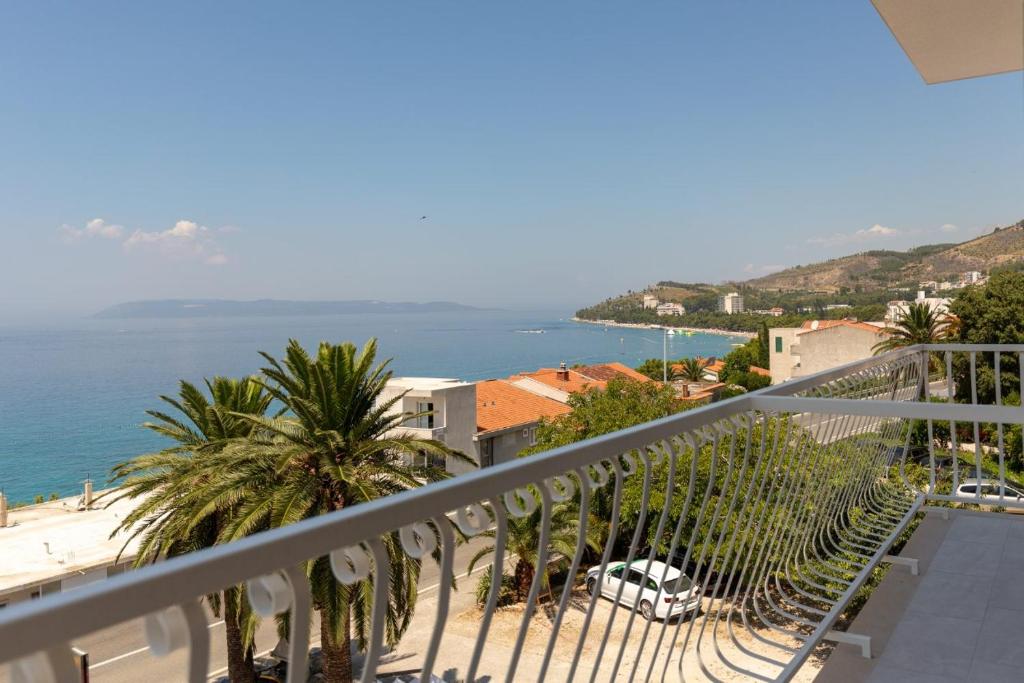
(644, 503)
(581, 546)
(444, 593)
(500, 540)
(381, 586)
(199, 642)
(538, 577)
(605, 556)
(54, 665)
(178, 627)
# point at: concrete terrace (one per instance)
(959, 620)
(54, 541)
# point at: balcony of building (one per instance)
(731, 541)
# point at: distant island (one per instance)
(225, 308)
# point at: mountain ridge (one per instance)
(879, 269)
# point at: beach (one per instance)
(647, 326)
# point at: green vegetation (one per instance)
(701, 310)
(920, 324)
(623, 403)
(755, 353)
(523, 544)
(163, 483)
(328, 450)
(992, 314)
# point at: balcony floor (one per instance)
(960, 620)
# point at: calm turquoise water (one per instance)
(72, 396)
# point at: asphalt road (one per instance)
(120, 655)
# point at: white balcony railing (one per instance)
(778, 504)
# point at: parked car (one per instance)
(674, 596)
(989, 491)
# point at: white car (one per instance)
(675, 595)
(989, 490)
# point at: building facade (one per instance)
(819, 345)
(670, 309)
(730, 303)
(440, 409)
(507, 418)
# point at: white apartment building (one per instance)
(897, 309)
(731, 303)
(819, 345)
(971, 277)
(445, 411)
(670, 309)
(650, 301)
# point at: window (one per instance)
(634, 577)
(968, 489)
(778, 345)
(425, 421)
(486, 452)
(533, 436)
(617, 572)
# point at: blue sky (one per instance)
(562, 152)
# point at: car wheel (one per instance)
(591, 585)
(647, 609)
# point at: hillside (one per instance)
(871, 270)
(856, 286)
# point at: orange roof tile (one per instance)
(501, 405)
(568, 380)
(608, 371)
(760, 371)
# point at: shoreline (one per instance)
(649, 326)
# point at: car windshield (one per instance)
(681, 584)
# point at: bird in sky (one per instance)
(423, 218)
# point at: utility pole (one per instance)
(664, 356)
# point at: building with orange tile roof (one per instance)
(609, 371)
(507, 417)
(555, 383)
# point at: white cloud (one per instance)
(184, 240)
(948, 227)
(97, 227)
(876, 231)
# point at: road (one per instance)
(120, 655)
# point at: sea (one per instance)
(73, 394)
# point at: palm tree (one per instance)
(921, 324)
(164, 483)
(523, 543)
(337, 446)
(691, 369)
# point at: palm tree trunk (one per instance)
(240, 659)
(337, 652)
(523, 577)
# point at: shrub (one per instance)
(507, 594)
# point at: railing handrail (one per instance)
(27, 627)
(30, 627)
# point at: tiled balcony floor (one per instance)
(962, 619)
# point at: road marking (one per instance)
(137, 652)
(430, 588)
(220, 671)
(263, 654)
